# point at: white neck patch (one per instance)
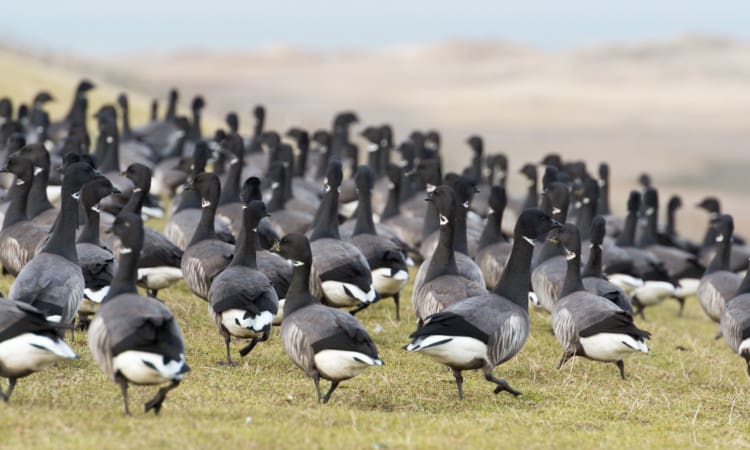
(391, 186)
(110, 139)
(529, 240)
(205, 203)
(443, 220)
(713, 215)
(720, 238)
(430, 188)
(372, 147)
(234, 161)
(137, 189)
(466, 204)
(338, 189)
(578, 204)
(556, 210)
(125, 250)
(255, 230)
(37, 170)
(327, 187)
(76, 195)
(586, 200)
(650, 212)
(490, 211)
(20, 182)
(296, 263)
(95, 208)
(569, 255)
(276, 184)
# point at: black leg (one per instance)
(161, 395)
(316, 380)
(681, 301)
(502, 385)
(334, 385)
(638, 308)
(565, 357)
(748, 367)
(459, 382)
(621, 365)
(254, 341)
(6, 395)
(154, 293)
(227, 340)
(397, 302)
(124, 390)
(360, 308)
(719, 335)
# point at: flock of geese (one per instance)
(275, 234)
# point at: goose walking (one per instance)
(136, 339)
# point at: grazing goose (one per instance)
(341, 276)
(242, 300)
(494, 247)
(19, 237)
(735, 321)
(159, 262)
(182, 223)
(594, 279)
(719, 284)
(206, 256)
(324, 342)
(485, 331)
(28, 343)
(442, 283)
(386, 260)
(97, 262)
(136, 339)
(52, 281)
(586, 324)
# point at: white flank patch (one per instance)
(611, 346)
(132, 364)
(455, 351)
(160, 277)
(388, 284)
(234, 321)
(410, 261)
(688, 287)
(54, 193)
(32, 352)
(744, 346)
(653, 292)
(342, 364)
(55, 318)
(529, 240)
(335, 293)
(534, 300)
(96, 296)
(625, 282)
(205, 203)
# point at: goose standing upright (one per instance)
(52, 281)
(39, 209)
(594, 279)
(586, 324)
(443, 284)
(485, 331)
(324, 342)
(719, 284)
(341, 276)
(28, 343)
(242, 300)
(493, 248)
(386, 260)
(136, 339)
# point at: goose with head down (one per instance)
(484, 331)
(136, 339)
(324, 342)
(586, 324)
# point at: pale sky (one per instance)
(96, 26)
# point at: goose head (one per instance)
(444, 199)
(38, 155)
(568, 237)
(77, 174)
(122, 101)
(675, 203)
(95, 190)
(498, 199)
(208, 185)
(295, 247)
(259, 112)
(432, 140)
(129, 228)
(363, 179)
(598, 229)
(232, 121)
(140, 175)
(724, 226)
(476, 143)
(21, 167)
(251, 190)
(42, 97)
(552, 159)
(711, 205)
(197, 105)
(253, 212)
(529, 171)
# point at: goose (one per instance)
(205, 256)
(718, 285)
(132, 148)
(136, 339)
(160, 259)
(97, 262)
(594, 279)
(19, 236)
(28, 343)
(493, 247)
(230, 206)
(242, 300)
(159, 134)
(39, 209)
(442, 282)
(182, 223)
(341, 276)
(586, 324)
(669, 235)
(284, 220)
(735, 321)
(406, 228)
(76, 116)
(614, 224)
(324, 342)
(173, 169)
(467, 237)
(649, 284)
(52, 281)
(482, 332)
(386, 259)
(530, 172)
(740, 252)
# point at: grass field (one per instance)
(690, 391)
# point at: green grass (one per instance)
(673, 398)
